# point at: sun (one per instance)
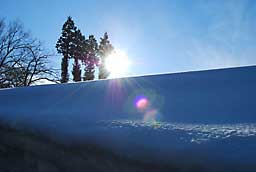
(117, 63)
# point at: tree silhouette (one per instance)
(105, 49)
(79, 52)
(23, 60)
(65, 45)
(72, 44)
(90, 59)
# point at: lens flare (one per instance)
(149, 112)
(150, 115)
(141, 103)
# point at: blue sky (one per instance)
(158, 35)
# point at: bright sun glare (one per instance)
(117, 63)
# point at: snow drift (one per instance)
(204, 119)
(214, 96)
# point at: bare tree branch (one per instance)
(23, 61)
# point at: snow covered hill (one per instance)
(203, 120)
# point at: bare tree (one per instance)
(23, 61)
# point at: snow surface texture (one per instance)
(205, 120)
(199, 133)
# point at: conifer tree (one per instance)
(76, 71)
(80, 49)
(105, 48)
(90, 59)
(66, 47)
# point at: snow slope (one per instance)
(202, 120)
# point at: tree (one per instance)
(72, 44)
(65, 45)
(90, 58)
(76, 70)
(23, 61)
(105, 49)
(78, 53)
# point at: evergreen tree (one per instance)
(90, 59)
(66, 47)
(80, 49)
(105, 48)
(64, 70)
(76, 70)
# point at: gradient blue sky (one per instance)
(158, 35)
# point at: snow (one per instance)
(200, 119)
(201, 132)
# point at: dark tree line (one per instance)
(72, 44)
(23, 60)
